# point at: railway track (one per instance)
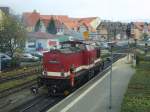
(18, 88)
(19, 76)
(38, 104)
(9, 69)
(16, 77)
(43, 103)
(28, 84)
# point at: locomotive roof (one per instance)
(71, 48)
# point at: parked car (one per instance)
(37, 54)
(28, 57)
(148, 39)
(5, 61)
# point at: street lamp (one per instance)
(128, 33)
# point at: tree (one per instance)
(12, 35)
(37, 26)
(51, 27)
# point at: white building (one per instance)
(41, 41)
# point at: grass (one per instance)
(15, 83)
(137, 97)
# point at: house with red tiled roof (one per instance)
(60, 26)
(62, 22)
(72, 25)
(89, 24)
(30, 19)
(34, 21)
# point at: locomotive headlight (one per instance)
(44, 73)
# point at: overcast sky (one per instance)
(106, 9)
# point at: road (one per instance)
(96, 97)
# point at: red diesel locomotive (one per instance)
(70, 66)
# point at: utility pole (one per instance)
(0, 64)
(110, 80)
(146, 48)
(128, 33)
